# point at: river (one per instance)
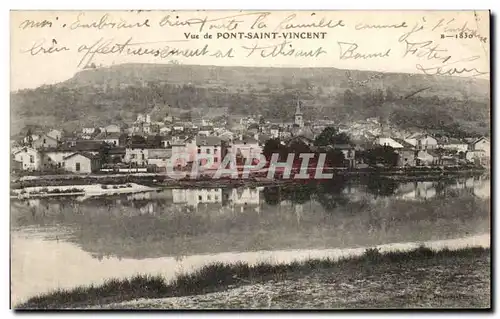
(73, 241)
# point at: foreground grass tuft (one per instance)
(219, 276)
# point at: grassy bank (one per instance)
(457, 276)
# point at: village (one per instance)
(152, 146)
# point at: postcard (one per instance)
(250, 160)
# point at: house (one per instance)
(387, 141)
(479, 157)
(88, 130)
(166, 141)
(179, 127)
(112, 129)
(225, 135)
(453, 144)
(406, 157)
(90, 146)
(45, 141)
(165, 130)
(481, 143)
(116, 154)
(160, 157)
(422, 141)
(183, 152)
(136, 155)
(29, 158)
(205, 130)
(406, 154)
(112, 138)
(82, 162)
(54, 157)
(349, 152)
(424, 158)
(55, 134)
(307, 141)
(246, 146)
(275, 131)
(33, 138)
(210, 147)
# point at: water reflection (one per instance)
(195, 221)
(191, 224)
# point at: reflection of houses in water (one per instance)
(139, 196)
(477, 185)
(426, 190)
(416, 191)
(242, 198)
(194, 197)
(353, 192)
(34, 202)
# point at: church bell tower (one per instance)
(299, 120)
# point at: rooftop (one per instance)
(208, 141)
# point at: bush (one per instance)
(115, 187)
(129, 185)
(104, 186)
(23, 191)
(372, 254)
(44, 190)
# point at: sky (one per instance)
(49, 46)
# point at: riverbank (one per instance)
(419, 278)
(254, 180)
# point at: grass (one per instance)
(219, 276)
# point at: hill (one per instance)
(117, 93)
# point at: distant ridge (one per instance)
(116, 93)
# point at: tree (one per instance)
(29, 138)
(272, 195)
(154, 140)
(271, 147)
(330, 136)
(326, 137)
(382, 155)
(335, 158)
(381, 186)
(137, 139)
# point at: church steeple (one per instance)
(297, 109)
(299, 120)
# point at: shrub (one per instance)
(115, 187)
(129, 185)
(23, 191)
(44, 190)
(372, 254)
(104, 186)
